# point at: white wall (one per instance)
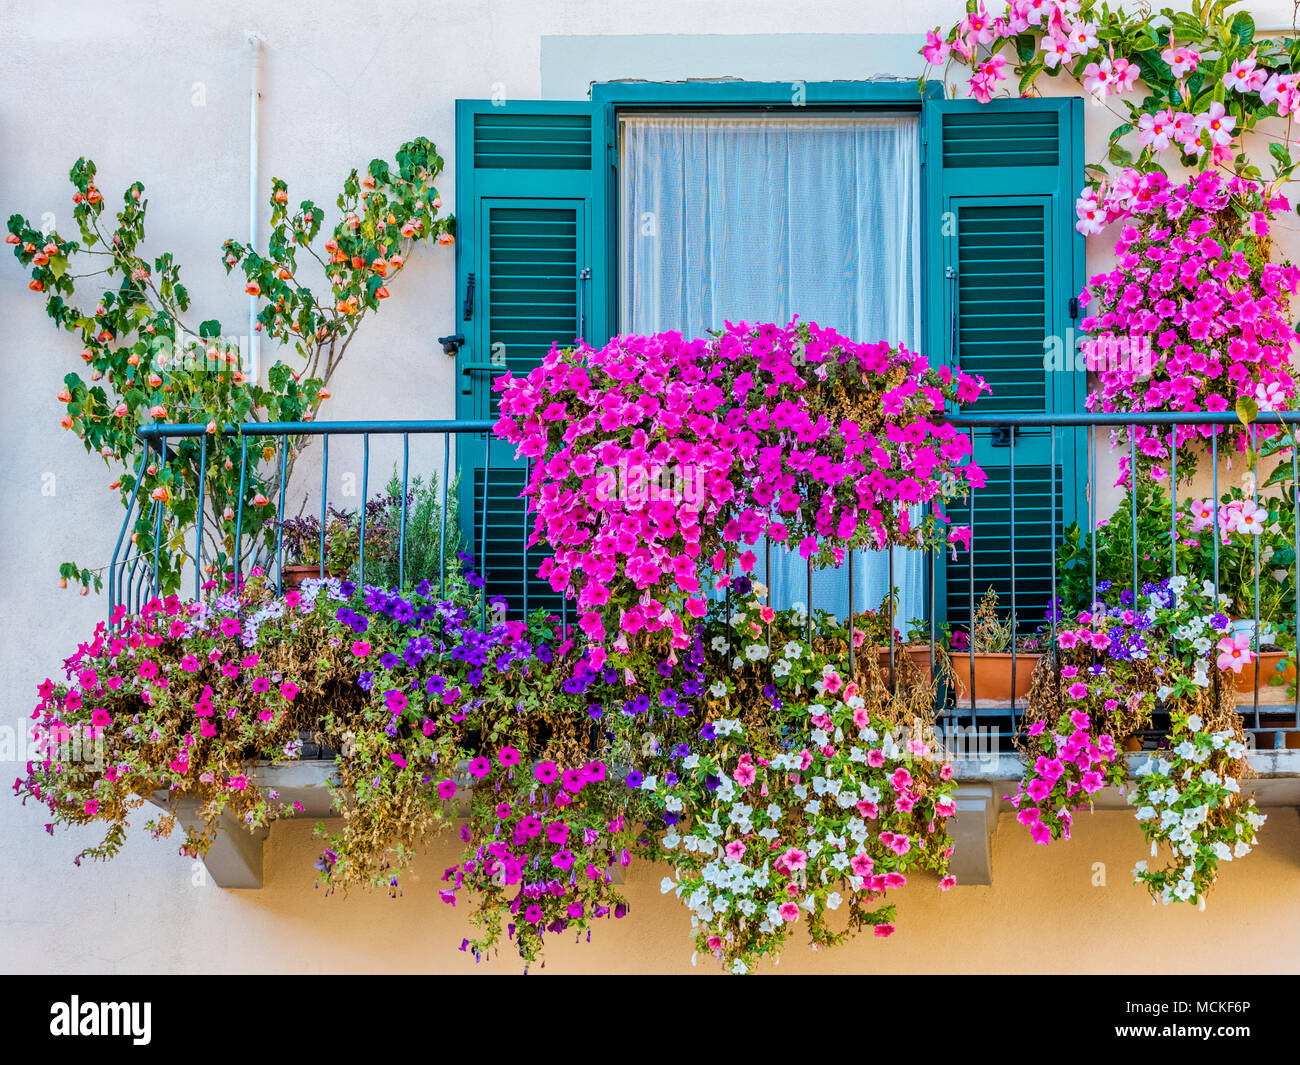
(117, 82)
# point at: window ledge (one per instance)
(235, 858)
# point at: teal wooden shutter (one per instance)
(1004, 262)
(531, 199)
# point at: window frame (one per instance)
(612, 98)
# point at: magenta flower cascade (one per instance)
(1188, 86)
(1193, 288)
(657, 461)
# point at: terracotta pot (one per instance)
(1133, 743)
(920, 657)
(292, 576)
(1244, 681)
(992, 676)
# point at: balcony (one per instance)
(1012, 550)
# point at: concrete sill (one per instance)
(235, 858)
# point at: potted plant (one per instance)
(982, 656)
(1248, 527)
(301, 539)
(871, 634)
(1247, 523)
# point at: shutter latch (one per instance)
(468, 310)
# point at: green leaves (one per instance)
(136, 342)
(1247, 410)
(1279, 152)
(1242, 30)
(1030, 75)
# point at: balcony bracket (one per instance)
(972, 834)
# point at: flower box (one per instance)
(993, 680)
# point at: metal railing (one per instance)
(134, 576)
(1277, 719)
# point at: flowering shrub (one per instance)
(1194, 317)
(656, 460)
(1245, 526)
(1193, 287)
(1118, 664)
(1189, 799)
(1207, 79)
(148, 362)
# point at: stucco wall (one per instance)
(1046, 911)
(159, 92)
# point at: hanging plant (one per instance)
(658, 461)
(1194, 316)
(1189, 801)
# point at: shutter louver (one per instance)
(532, 295)
(1035, 551)
(972, 139)
(1001, 302)
(530, 251)
(505, 140)
(1003, 177)
(505, 563)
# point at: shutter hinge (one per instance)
(1074, 307)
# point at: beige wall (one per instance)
(118, 82)
(149, 911)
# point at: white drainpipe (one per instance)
(254, 101)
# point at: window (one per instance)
(889, 214)
(759, 217)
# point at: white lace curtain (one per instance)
(748, 217)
